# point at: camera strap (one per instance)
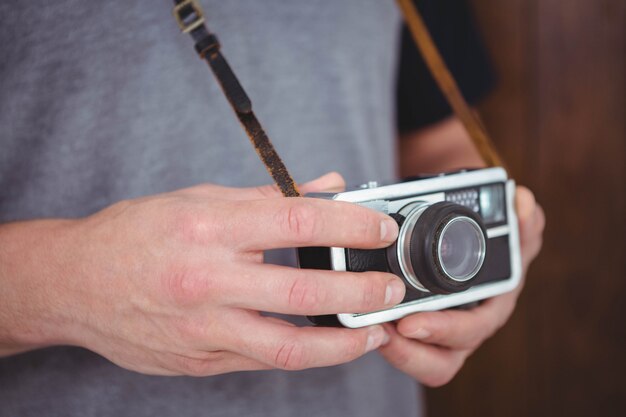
(189, 16)
(470, 119)
(190, 19)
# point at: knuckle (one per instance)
(373, 228)
(290, 356)
(367, 225)
(300, 222)
(192, 226)
(305, 294)
(185, 285)
(371, 295)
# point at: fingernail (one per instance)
(394, 293)
(388, 230)
(420, 333)
(375, 338)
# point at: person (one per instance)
(122, 261)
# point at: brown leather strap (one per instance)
(190, 18)
(448, 86)
(268, 155)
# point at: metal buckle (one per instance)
(185, 10)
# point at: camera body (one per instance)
(458, 242)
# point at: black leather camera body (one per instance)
(458, 242)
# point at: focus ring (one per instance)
(424, 257)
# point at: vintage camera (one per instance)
(458, 242)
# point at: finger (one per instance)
(295, 348)
(431, 365)
(524, 203)
(531, 238)
(287, 290)
(299, 222)
(530, 214)
(331, 182)
(533, 228)
(459, 329)
(532, 222)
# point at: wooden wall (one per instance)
(558, 117)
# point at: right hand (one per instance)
(173, 284)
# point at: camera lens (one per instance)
(441, 247)
(461, 248)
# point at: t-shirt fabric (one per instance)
(104, 101)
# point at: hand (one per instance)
(432, 346)
(173, 284)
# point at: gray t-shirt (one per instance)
(103, 101)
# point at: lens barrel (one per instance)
(441, 247)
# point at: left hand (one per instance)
(432, 346)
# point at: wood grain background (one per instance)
(558, 116)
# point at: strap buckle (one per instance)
(188, 15)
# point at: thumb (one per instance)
(331, 182)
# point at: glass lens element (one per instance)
(461, 248)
